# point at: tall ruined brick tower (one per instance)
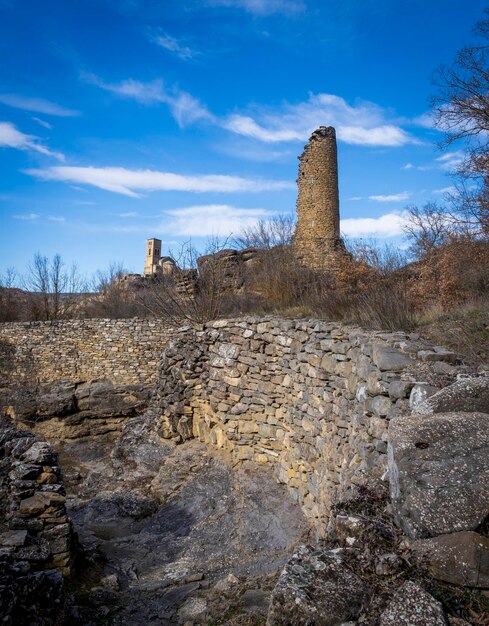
(317, 242)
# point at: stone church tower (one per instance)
(153, 256)
(317, 242)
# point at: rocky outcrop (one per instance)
(66, 410)
(439, 472)
(316, 587)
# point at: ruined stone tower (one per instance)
(317, 242)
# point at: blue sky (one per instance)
(183, 119)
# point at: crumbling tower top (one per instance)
(317, 240)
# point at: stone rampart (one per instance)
(311, 399)
(122, 351)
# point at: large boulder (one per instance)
(468, 395)
(315, 587)
(412, 606)
(439, 472)
(460, 558)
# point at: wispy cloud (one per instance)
(364, 123)
(183, 106)
(129, 214)
(445, 190)
(27, 217)
(451, 160)
(43, 123)
(36, 105)
(426, 120)
(56, 218)
(175, 46)
(11, 137)
(407, 166)
(262, 7)
(133, 182)
(388, 225)
(393, 197)
(216, 219)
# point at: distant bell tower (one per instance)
(317, 242)
(153, 255)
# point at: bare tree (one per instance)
(266, 234)
(461, 110)
(428, 228)
(54, 290)
(113, 294)
(10, 297)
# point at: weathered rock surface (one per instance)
(315, 587)
(460, 558)
(66, 410)
(467, 395)
(439, 472)
(412, 606)
(160, 524)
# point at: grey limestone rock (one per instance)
(315, 587)
(468, 394)
(386, 358)
(459, 558)
(412, 606)
(439, 472)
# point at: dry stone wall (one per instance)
(123, 351)
(311, 399)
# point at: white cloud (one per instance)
(408, 166)
(132, 182)
(388, 225)
(445, 190)
(43, 123)
(362, 124)
(426, 120)
(56, 218)
(216, 219)
(129, 214)
(262, 7)
(451, 160)
(36, 105)
(183, 106)
(174, 46)
(27, 217)
(394, 197)
(11, 137)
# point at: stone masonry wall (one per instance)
(311, 399)
(34, 526)
(123, 351)
(317, 237)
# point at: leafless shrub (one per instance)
(266, 234)
(111, 296)
(10, 297)
(53, 290)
